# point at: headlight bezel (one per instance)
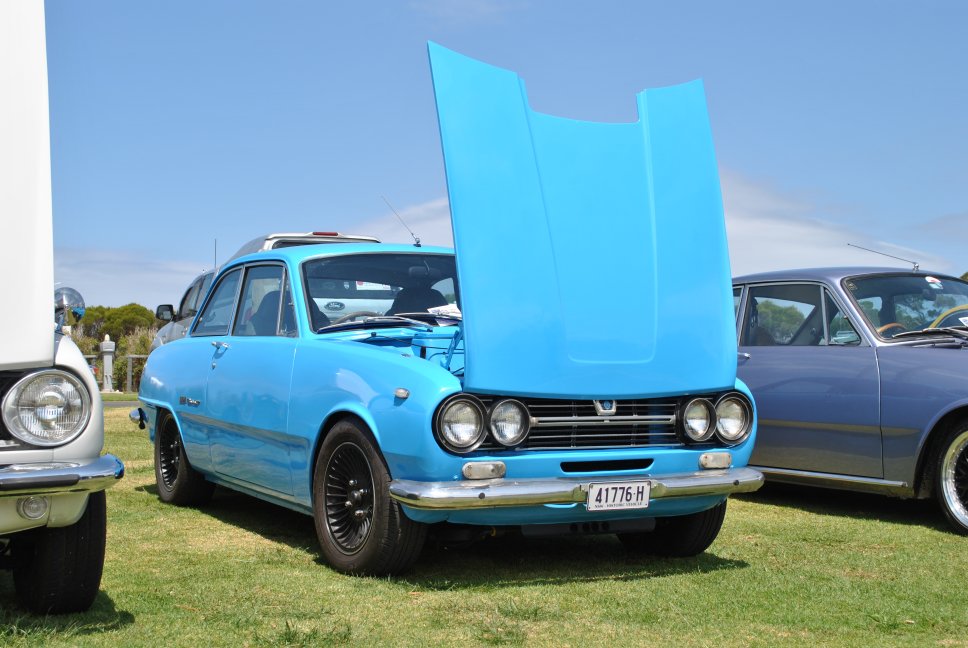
(710, 430)
(445, 407)
(11, 408)
(525, 418)
(747, 406)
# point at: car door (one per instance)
(248, 386)
(814, 380)
(191, 359)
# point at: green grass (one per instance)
(119, 396)
(791, 567)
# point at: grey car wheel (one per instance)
(952, 476)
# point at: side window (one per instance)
(187, 306)
(258, 312)
(840, 331)
(204, 283)
(217, 316)
(784, 315)
(737, 296)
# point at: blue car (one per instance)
(860, 380)
(538, 377)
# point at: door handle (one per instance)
(744, 356)
(218, 344)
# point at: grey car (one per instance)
(177, 322)
(861, 380)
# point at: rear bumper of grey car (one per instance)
(493, 493)
(60, 477)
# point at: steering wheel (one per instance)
(951, 312)
(881, 330)
(352, 316)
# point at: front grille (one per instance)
(573, 424)
(7, 440)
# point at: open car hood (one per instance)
(592, 257)
(27, 259)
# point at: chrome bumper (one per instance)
(60, 477)
(492, 493)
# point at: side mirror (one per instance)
(67, 301)
(165, 312)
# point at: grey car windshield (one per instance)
(894, 304)
(343, 288)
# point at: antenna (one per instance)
(416, 241)
(914, 263)
(215, 255)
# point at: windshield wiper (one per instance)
(380, 321)
(956, 331)
(432, 317)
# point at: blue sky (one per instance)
(178, 123)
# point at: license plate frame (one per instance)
(619, 496)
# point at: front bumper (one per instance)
(60, 477)
(494, 493)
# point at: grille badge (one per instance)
(605, 407)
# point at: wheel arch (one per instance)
(367, 425)
(924, 473)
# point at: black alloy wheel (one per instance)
(177, 482)
(169, 453)
(361, 529)
(349, 497)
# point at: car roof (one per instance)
(301, 253)
(287, 239)
(829, 274)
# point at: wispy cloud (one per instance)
(114, 277)
(769, 230)
(429, 221)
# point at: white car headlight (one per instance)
(734, 418)
(699, 419)
(509, 422)
(460, 423)
(47, 408)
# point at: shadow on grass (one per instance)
(509, 560)
(860, 506)
(18, 624)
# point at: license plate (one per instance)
(616, 496)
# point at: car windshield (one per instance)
(897, 303)
(353, 287)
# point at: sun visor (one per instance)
(592, 257)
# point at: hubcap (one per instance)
(954, 478)
(349, 497)
(169, 453)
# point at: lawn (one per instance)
(791, 567)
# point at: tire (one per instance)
(680, 536)
(58, 570)
(178, 483)
(361, 530)
(951, 476)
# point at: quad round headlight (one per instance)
(734, 419)
(699, 420)
(509, 422)
(47, 408)
(460, 423)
